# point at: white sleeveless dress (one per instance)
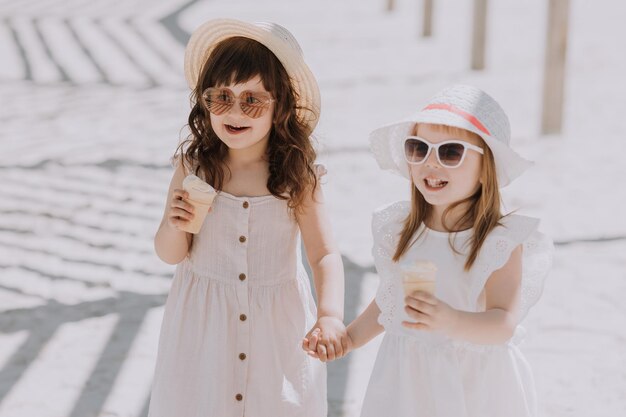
(426, 374)
(237, 311)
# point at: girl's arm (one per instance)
(171, 244)
(365, 327)
(327, 268)
(323, 256)
(493, 326)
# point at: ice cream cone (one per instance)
(419, 276)
(201, 196)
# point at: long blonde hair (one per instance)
(483, 214)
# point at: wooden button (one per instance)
(242, 356)
(243, 317)
(246, 204)
(239, 397)
(242, 277)
(242, 239)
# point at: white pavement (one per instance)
(92, 102)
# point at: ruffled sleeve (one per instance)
(179, 159)
(320, 170)
(386, 226)
(176, 160)
(537, 252)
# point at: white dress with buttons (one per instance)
(426, 374)
(239, 306)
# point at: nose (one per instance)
(235, 109)
(432, 160)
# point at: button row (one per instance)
(242, 317)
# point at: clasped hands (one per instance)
(327, 340)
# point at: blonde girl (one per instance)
(452, 352)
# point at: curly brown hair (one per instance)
(290, 152)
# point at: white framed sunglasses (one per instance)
(450, 153)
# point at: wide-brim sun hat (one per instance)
(277, 39)
(460, 106)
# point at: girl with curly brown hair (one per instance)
(241, 303)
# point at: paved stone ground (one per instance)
(92, 104)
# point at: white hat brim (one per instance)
(208, 35)
(387, 144)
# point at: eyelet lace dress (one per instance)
(426, 374)
(238, 308)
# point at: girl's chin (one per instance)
(437, 198)
(239, 143)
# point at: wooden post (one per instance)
(479, 34)
(554, 75)
(390, 4)
(427, 26)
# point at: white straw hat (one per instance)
(461, 106)
(276, 38)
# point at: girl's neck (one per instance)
(436, 219)
(248, 173)
(242, 158)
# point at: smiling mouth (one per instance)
(434, 184)
(236, 129)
